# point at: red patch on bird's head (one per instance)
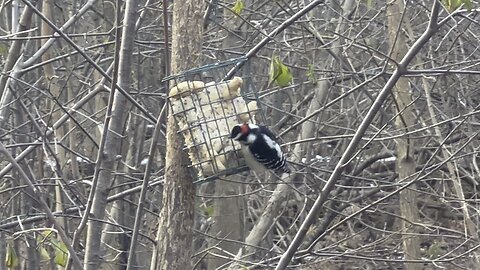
(245, 129)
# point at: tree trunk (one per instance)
(27, 245)
(121, 211)
(175, 229)
(51, 81)
(114, 129)
(405, 147)
(14, 53)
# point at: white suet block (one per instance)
(206, 113)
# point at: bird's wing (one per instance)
(266, 131)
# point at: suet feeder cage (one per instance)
(206, 107)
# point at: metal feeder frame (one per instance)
(214, 76)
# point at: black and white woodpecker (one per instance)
(259, 148)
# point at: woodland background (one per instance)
(380, 122)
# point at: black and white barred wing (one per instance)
(271, 155)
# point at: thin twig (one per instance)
(272, 34)
(112, 198)
(337, 172)
(143, 191)
(36, 192)
(92, 62)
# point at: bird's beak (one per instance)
(236, 137)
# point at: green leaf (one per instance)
(369, 3)
(454, 4)
(238, 7)
(273, 72)
(47, 234)
(43, 253)
(11, 258)
(311, 74)
(279, 73)
(3, 49)
(434, 251)
(61, 252)
(468, 4)
(209, 211)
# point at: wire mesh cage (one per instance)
(206, 108)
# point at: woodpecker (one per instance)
(260, 148)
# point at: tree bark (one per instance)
(51, 81)
(27, 246)
(405, 147)
(14, 53)
(175, 229)
(121, 211)
(114, 129)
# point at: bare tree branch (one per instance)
(345, 159)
